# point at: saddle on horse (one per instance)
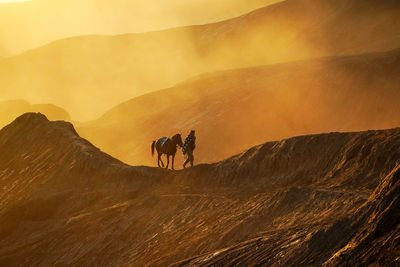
(163, 141)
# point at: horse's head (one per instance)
(177, 139)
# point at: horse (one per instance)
(167, 146)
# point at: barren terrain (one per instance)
(308, 200)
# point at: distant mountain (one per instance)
(87, 75)
(308, 200)
(23, 28)
(233, 110)
(11, 109)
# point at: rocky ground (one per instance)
(327, 199)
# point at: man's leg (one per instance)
(190, 157)
(186, 161)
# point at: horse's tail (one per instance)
(152, 148)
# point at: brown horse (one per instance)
(167, 146)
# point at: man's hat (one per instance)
(192, 131)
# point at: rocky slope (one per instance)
(11, 109)
(89, 74)
(310, 200)
(237, 109)
(369, 237)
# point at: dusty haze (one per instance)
(31, 24)
(90, 74)
(233, 110)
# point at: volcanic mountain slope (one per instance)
(88, 74)
(11, 109)
(64, 202)
(234, 110)
(105, 17)
(370, 236)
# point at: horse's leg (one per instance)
(167, 161)
(160, 160)
(173, 159)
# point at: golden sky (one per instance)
(29, 24)
(12, 1)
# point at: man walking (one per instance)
(188, 146)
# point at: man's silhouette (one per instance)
(188, 146)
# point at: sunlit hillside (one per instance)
(33, 23)
(233, 110)
(90, 74)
